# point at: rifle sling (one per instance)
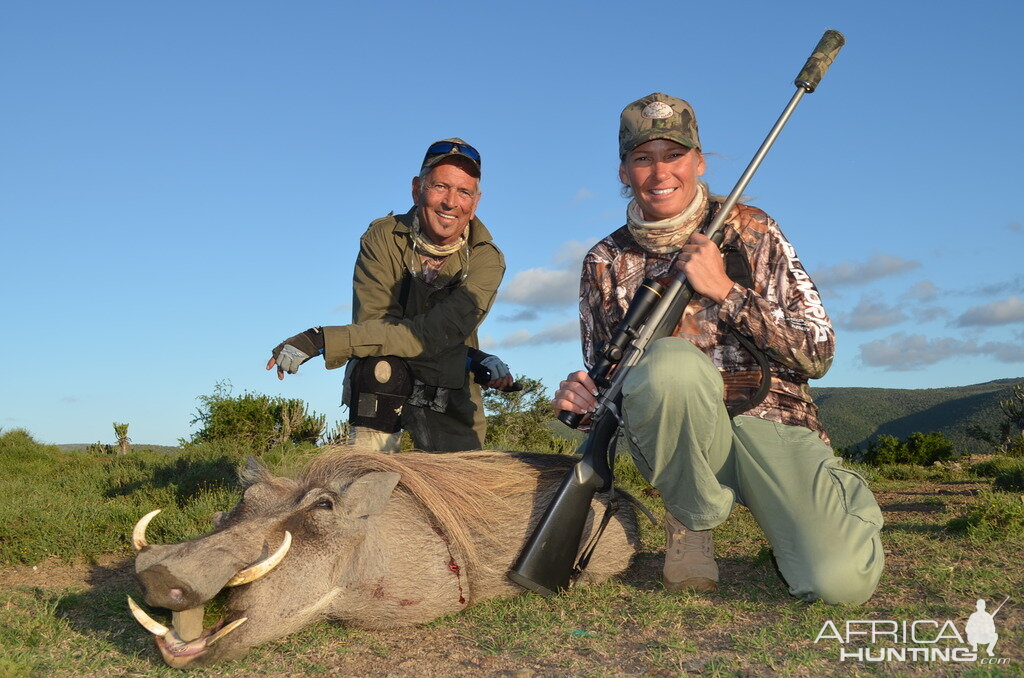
(738, 269)
(610, 510)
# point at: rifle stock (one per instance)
(547, 562)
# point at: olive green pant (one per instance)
(821, 518)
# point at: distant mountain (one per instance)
(855, 416)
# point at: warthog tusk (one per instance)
(139, 533)
(254, 572)
(153, 626)
(225, 631)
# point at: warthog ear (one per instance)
(218, 518)
(367, 495)
(252, 473)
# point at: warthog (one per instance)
(376, 541)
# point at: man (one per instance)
(423, 283)
(700, 428)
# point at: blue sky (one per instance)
(184, 184)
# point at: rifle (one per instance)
(548, 561)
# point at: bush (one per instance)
(996, 515)
(521, 420)
(990, 468)
(1010, 479)
(922, 449)
(903, 472)
(16, 439)
(253, 419)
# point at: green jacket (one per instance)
(436, 322)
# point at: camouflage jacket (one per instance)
(395, 312)
(782, 314)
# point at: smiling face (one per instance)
(447, 198)
(663, 176)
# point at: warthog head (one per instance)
(271, 549)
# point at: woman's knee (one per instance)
(839, 579)
(672, 367)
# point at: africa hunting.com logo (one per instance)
(920, 640)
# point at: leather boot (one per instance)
(689, 558)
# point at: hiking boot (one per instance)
(689, 558)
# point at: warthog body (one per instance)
(378, 541)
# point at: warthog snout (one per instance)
(176, 577)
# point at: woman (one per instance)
(773, 455)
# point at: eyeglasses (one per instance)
(446, 147)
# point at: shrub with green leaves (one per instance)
(923, 449)
(990, 468)
(254, 420)
(520, 420)
(995, 515)
(1010, 479)
(17, 438)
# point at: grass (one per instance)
(950, 539)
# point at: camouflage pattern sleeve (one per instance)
(783, 314)
(588, 322)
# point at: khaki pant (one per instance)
(821, 518)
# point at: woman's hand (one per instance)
(578, 394)
(700, 261)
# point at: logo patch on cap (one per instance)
(657, 110)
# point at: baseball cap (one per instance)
(657, 116)
(446, 148)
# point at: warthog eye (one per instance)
(324, 503)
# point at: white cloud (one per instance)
(922, 291)
(556, 334)
(1004, 312)
(870, 314)
(570, 255)
(523, 315)
(848, 273)
(1005, 287)
(929, 313)
(542, 287)
(548, 287)
(1004, 351)
(907, 352)
(582, 195)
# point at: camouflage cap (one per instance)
(657, 116)
(446, 149)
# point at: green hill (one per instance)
(854, 416)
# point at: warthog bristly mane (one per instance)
(462, 495)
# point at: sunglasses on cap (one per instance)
(449, 147)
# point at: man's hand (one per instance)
(501, 376)
(491, 368)
(578, 394)
(294, 351)
(700, 261)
